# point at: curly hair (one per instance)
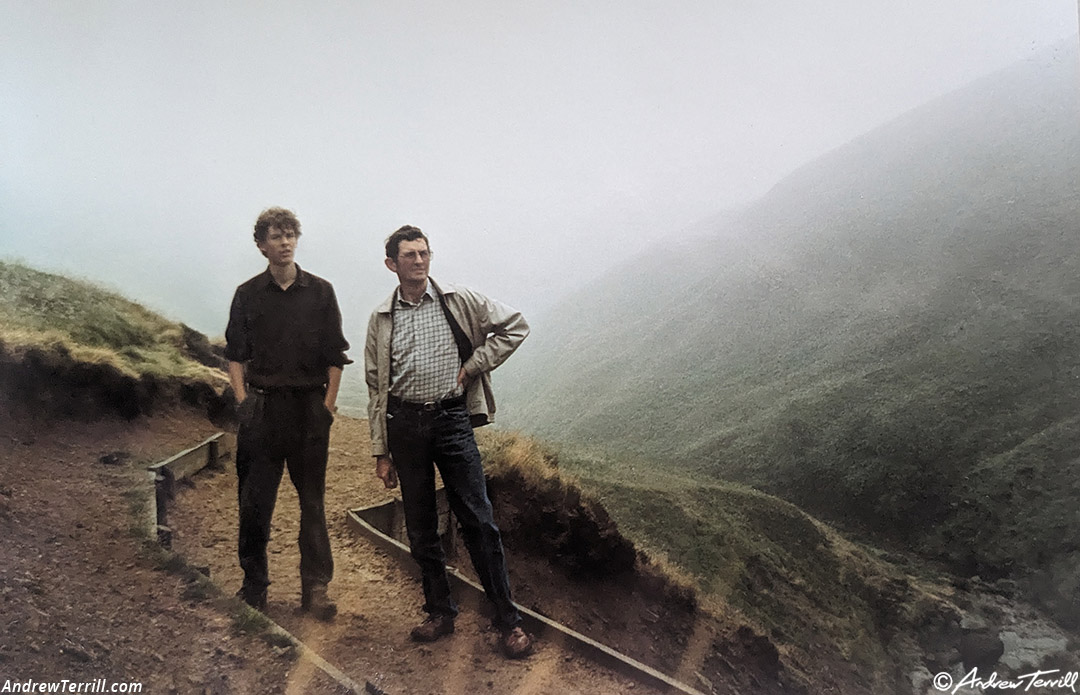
(275, 218)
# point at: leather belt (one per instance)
(430, 406)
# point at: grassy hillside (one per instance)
(68, 345)
(890, 338)
(837, 617)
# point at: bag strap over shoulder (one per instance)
(464, 346)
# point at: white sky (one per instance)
(536, 143)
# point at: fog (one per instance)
(537, 144)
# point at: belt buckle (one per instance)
(429, 406)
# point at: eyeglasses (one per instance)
(414, 255)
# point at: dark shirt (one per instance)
(287, 337)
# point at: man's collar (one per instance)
(388, 304)
(429, 291)
(302, 278)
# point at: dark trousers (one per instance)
(418, 439)
(283, 428)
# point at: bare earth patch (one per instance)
(80, 596)
(378, 597)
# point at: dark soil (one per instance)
(48, 382)
(82, 597)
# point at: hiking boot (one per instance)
(516, 643)
(313, 599)
(434, 627)
(256, 598)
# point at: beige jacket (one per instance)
(494, 329)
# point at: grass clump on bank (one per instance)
(61, 316)
(71, 349)
(737, 551)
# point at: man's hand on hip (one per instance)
(463, 379)
(384, 468)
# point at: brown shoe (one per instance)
(434, 627)
(313, 599)
(516, 643)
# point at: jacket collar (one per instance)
(388, 304)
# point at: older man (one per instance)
(428, 353)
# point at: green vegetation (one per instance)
(247, 620)
(890, 340)
(59, 316)
(745, 552)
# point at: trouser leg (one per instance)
(466, 489)
(307, 470)
(410, 446)
(258, 467)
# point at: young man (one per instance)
(286, 351)
(428, 352)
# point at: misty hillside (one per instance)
(890, 338)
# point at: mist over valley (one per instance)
(890, 339)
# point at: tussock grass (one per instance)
(756, 556)
(199, 588)
(503, 451)
(72, 319)
(740, 552)
(247, 620)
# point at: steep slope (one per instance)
(887, 323)
(71, 348)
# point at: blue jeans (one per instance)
(417, 440)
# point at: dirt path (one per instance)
(83, 600)
(79, 597)
(378, 597)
